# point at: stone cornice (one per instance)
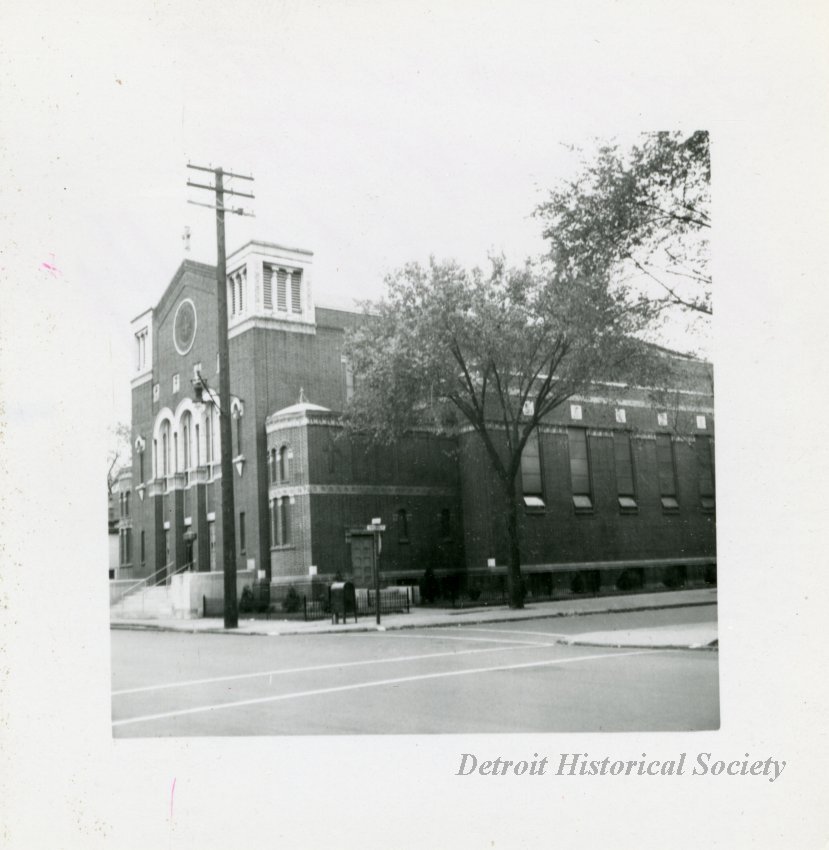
(146, 378)
(279, 491)
(273, 324)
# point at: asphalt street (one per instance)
(499, 677)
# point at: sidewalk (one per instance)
(680, 636)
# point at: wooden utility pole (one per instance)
(231, 605)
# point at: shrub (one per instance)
(429, 586)
(674, 577)
(246, 601)
(474, 592)
(292, 601)
(630, 579)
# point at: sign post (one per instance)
(377, 528)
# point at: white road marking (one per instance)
(376, 684)
(516, 632)
(478, 639)
(365, 662)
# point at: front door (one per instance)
(362, 559)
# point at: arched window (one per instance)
(284, 464)
(186, 453)
(272, 469)
(166, 466)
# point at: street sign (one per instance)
(373, 527)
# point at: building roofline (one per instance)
(184, 266)
(264, 244)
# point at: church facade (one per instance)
(611, 486)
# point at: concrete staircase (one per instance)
(149, 603)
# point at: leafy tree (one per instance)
(496, 351)
(120, 451)
(640, 213)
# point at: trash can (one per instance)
(342, 598)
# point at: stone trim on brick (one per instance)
(267, 323)
(276, 492)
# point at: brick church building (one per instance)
(614, 490)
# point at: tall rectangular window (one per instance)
(580, 469)
(705, 472)
(285, 517)
(667, 472)
(402, 526)
(267, 288)
(531, 482)
(623, 461)
(128, 539)
(242, 546)
(296, 302)
(281, 290)
(281, 521)
(211, 542)
(348, 379)
(141, 349)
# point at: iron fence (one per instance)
(296, 606)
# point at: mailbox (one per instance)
(342, 598)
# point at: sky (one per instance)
(377, 134)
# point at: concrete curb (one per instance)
(259, 632)
(696, 647)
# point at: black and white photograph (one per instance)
(450, 377)
(486, 476)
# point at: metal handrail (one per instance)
(182, 569)
(143, 583)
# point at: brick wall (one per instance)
(557, 533)
(269, 366)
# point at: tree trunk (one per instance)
(515, 583)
